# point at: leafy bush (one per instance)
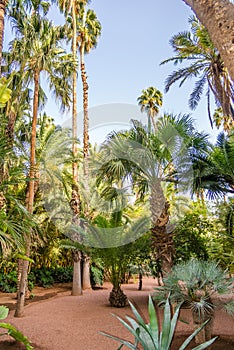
(11, 330)
(149, 336)
(46, 277)
(8, 282)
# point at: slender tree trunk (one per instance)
(86, 272)
(85, 126)
(29, 201)
(218, 18)
(3, 4)
(76, 283)
(75, 200)
(140, 281)
(206, 333)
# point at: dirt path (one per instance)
(64, 322)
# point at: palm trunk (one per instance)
(162, 241)
(76, 282)
(75, 200)
(85, 125)
(86, 272)
(30, 201)
(217, 16)
(206, 333)
(3, 4)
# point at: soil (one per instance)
(55, 320)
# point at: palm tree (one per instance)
(213, 170)
(43, 55)
(89, 29)
(220, 28)
(204, 61)
(72, 7)
(150, 101)
(194, 283)
(147, 160)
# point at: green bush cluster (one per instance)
(43, 277)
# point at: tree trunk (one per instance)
(162, 241)
(30, 200)
(85, 127)
(3, 4)
(117, 298)
(75, 200)
(86, 272)
(206, 333)
(218, 18)
(140, 281)
(76, 283)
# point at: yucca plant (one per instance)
(194, 283)
(11, 330)
(149, 336)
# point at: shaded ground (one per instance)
(64, 322)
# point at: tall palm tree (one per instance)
(204, 61)
(43, 55)
(89, 30)
(72, 7)
(150, 101)
(220, 28)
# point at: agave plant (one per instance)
(149, 336)
(11, 330)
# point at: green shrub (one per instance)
(8, 282)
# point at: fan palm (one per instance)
(148, 159)
(213, 170)
(150, 101)
(194, 283)
(89, 29)
(72, 7)
(197, 49)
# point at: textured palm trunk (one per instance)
(86, 270)
(29, 201)
(85, 124)
(218, 17)
(75, 200)
(3, 4)
(162, 241)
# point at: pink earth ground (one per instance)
(65, 322)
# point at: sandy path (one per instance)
(72, 323)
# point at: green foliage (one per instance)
(44, 277)
(11, 330)
(5, 92)
(97, 272)
(192, 234)
(149, 336)
(8, 282)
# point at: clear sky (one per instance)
(135, 39)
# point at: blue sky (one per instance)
(135, 39)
